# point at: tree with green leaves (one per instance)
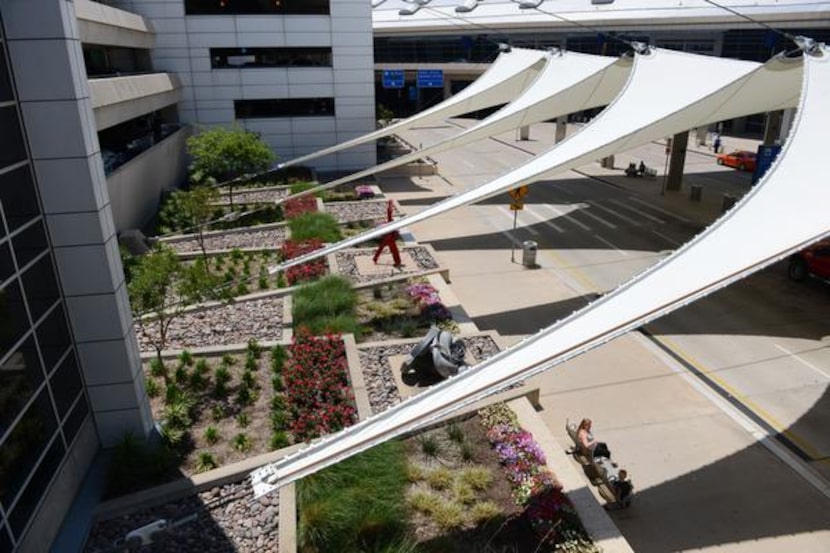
(161, 287)
(197, 209)
(224, 154)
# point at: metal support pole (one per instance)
(513, 242)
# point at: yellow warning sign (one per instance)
(517, 206)
(518, 193)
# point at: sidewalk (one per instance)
(702, 481)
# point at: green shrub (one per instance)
(440, 478)
(455, 433)
(254, 349)
(262, 283)
(429, 445)
(466, 451)
(241, 442)
(157, 367)
(251, 363)
(228, 359)
(181, 375)
(478, 478)
(237, 255)
(278, 403)
(448, 515)
(202, 366)
(484, 510)
(498, 413)
(243, 420)
(248, 379)
(414, 473)
(218, 412)
(152, 388)
(186, 358)
(278, 355)
(298, 187)
(211, 435)
(172, 393)
(277, 383)
(279, 440)
(315, 225)
(424, 501)
(279, 421)
(327, 305)
(197, 381)
(205, 462)
(244, 396)
(462, 493)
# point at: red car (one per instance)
(813, 261)
(739, 159)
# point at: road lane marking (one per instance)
(509, 214)
(805, 446)
(625, 218)
(666, 238)
(544, 220)
(660, 210)
(803, 361)
(567, 216)
(639, 212)
(760, 434)
(607, 243)
(585, 210)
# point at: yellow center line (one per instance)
(776, 425)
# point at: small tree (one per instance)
(225, 154)
(152, 290)
(197, 209)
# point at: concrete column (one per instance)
(447, 87)
(786, 124)
(677, 161)
(701, 134)
(53, 91)
(524, 132)
(772, 127)
(561, 129)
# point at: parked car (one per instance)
(742, 160)
(813, 261)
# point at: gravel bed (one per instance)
(271, 238)
(380, 382)
(235, 323)
(348, 212)
(348, 268)
(228, 521)
(268, 195)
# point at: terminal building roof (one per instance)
(408, 17)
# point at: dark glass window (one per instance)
(6, 262)
(269, 57)
(13, 320)
(22, 447)
(5, 85)
(12, 148)
(66, 383)
(20, 376)
(41, 287)
(17, 192)
(19, 518)
(255, 7)
(53, 337)
(5, 539)
(75, 419)
(29, 243)
(287, 107)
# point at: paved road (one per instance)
(705, 480)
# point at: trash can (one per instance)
(728, 201)
(529, 248)
(696, 192)
(607, 162)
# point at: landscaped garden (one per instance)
(479, 484)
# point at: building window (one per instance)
(221, 58)
(287, 107)
(11, 139)
(256, 7)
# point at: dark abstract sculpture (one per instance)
(438, 354)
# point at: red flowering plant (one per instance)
(319, 398)
(297, 206)
(311, 270)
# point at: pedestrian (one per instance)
(716, 144)
(622, 488)
(587, 444)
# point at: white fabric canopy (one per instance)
(665, 94)
(760, 230)
(570, 82)
(505, 79)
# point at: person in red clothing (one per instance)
(389, 240)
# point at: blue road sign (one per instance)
(430, 78)
(392, 78)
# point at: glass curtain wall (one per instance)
(42, 401)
